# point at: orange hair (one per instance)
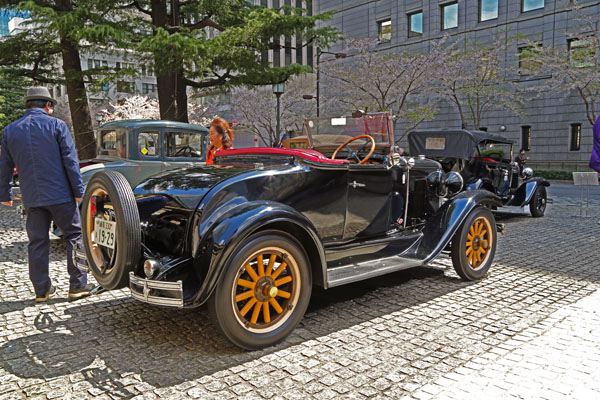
(222, 127)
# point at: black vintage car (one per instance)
(252, 234)
(485, 161)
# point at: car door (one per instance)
(369, 201)
(183, 148)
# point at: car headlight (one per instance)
(453, 182)
(527, 173)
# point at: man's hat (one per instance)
(39, 93)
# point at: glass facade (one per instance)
(6, 16)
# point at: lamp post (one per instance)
(278, 89)
(319, 54)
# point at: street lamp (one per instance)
(319, 54)
(278, 89)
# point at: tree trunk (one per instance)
(182, 99)
(78, 101)
(165, 79)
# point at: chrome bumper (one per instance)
(156, 292)
(79, 257)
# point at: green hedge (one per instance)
(554, 174)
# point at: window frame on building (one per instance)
(570, 49)
(443, 8)
(537, 70)
(411, 32)
(526, 137)
(481, 10)
(575, 137)
(384, 37)
(524, 2)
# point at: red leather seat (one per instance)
(308, 154)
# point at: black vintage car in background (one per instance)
(485, 161)
(252, 234)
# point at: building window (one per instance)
(148, 88)
(526, 137)
(581, 52)
(415, 24)
(125, 87)
(385, 30)
(488, 9)
(575, 142)
(529, 5)
(528, 65)
(450, 16)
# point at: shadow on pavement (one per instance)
(106, 340)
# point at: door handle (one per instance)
(356, 184)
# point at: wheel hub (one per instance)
(265, 289)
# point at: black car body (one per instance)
(254, 232)
(485, 161)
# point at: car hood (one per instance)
(187, 186)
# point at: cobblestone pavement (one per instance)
(530, 330)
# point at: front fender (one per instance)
(525, 191)
(218, 237)
(442, 226)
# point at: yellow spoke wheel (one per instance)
(263, 290)
(474, 244)
(266, 289)
(478, 243)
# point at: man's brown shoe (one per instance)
(49, 293)
(77, 293)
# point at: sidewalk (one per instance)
(556, 359)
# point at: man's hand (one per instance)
(78, 199)
(7, 203)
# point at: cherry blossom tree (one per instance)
(573, 69)
(475, 78)
(256, 108)
(371, 80)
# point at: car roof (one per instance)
(476, 135)
(450, 143)
(152, 123)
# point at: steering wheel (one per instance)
(183, 151)
(354, 154)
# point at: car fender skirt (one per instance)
(442, 226)
(221, 233)
(524, 193)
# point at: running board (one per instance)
(357, 272)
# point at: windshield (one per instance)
(495, 151)
(338, 130)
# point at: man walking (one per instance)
(42, 148)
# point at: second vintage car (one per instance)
(253, 233)
(485, 161)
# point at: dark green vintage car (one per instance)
(141, 148)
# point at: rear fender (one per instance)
(525, 191)
(441, 227)
(215, 239)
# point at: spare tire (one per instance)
(116, 251)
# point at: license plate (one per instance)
(104, 232)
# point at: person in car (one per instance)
(521, 159)
(221, 137)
